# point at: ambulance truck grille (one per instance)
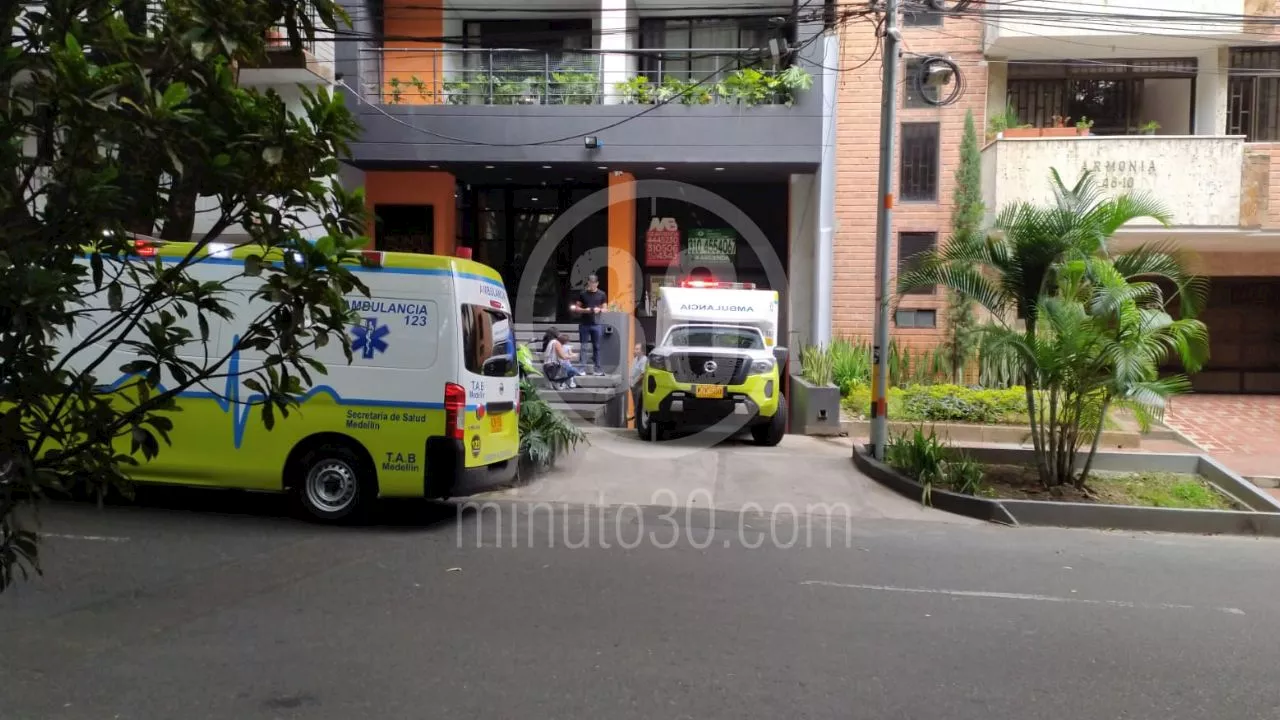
(708, 369)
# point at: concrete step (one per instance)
(578, 396)
(581, 414)
(585, 381)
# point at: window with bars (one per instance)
(1253, 94)
(743, 40)
(911, 245)
(919, 162)
(917, 96)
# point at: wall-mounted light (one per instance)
(591, 142)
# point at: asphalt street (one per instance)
(205, 608)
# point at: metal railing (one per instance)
(465, 76)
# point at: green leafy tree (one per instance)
(966, 220)
(119, 115)
(1090, 328)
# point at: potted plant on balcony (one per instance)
(1149, 128)
(1060, 128)
(571, 87)
(814, 397)
(1008, 124)
(1083, 126)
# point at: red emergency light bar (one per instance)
(717, 285)
(145, 248)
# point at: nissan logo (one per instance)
(710, 366)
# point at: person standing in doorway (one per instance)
(587, 306)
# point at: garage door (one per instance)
(1243, 316)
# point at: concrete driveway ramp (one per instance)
(803, 475)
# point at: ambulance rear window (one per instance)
(488, 342)
(728, 338)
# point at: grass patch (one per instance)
(1147, 489)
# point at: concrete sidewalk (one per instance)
(802, 475)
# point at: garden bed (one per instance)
(1145, 492)
(1142, 489)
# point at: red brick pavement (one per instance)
(1240, 431)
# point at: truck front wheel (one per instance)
(648, 428)
(770, 434)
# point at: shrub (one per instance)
(545, 433)
(858, 401)
(955, 403)
(815, 364)
(850, 364)
(930, 462)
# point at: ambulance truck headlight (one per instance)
(658, 362)
(760, 367)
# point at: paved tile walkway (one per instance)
(1240, 431)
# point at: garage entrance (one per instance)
(1243, 315)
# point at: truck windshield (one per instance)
(717, 336)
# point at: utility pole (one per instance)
(884, 234)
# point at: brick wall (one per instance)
(858, 139)
(1260, 202)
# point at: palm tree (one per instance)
(1084, 312)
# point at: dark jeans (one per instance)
(594, 333)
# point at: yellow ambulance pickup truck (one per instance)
(716, 363)
(428, 407)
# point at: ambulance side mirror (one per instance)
(780, 356)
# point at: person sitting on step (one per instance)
(557, 363)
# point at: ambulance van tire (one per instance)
(332, 481)
(771, 433)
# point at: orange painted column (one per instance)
(394, 187)
(413, 70)
(622, 259)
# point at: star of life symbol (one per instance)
(369, 338)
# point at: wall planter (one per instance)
(1063, 132)
(1033, 132)
(815, 409)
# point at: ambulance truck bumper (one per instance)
(684, 409)
(447, 475)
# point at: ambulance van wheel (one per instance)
(770, 434)
(332, 483)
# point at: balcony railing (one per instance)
(449, 76)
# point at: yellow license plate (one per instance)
(495, 423)
(709, 391)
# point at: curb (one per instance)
(1262, 521)
(969, 433)
(966, 505)
(1264, 481)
